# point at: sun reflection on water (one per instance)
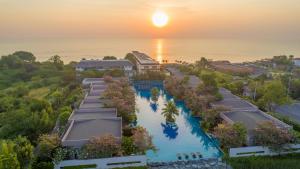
(159, 50)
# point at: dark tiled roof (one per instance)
(86, 129)
(79, 115)
(103, 63)
(292, 111)
(249, 119)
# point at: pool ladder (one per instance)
(184, 156)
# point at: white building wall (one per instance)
(262, 151)
(297, 62)
(106, 163)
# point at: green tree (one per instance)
(274, 93)
(209, 85)
(268, 134)
(24, 151)
(154, 94)
(203, 63)
(109, 58)
(128, 146)
(101, 147)
(170, 111)
(294, 90)
(63, 117)
(8, 157)
(56, 60)
(231, 136)
(25, 56)
(131, 58)
(47, 144)
(142, 140)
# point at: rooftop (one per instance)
(80, 115)
(144, 59)
(249, 119)
(94, 92)
(292, 111)
(243, 111)
(96, 81)
(80, 131)
(233, 102)
(91, 110)
(102, 64)
(84, 105)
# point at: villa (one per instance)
(297, 62)
(102, 65)
(243, 111)
(92, 119)
(145, 62)
(82, 130)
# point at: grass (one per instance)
(290, 161)
(39, 93)
(80, 166)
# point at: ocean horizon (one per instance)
(184, 49)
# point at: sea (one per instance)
(170, 50)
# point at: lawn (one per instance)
(277, 162)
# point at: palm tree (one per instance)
(170, 111)
(154, 94)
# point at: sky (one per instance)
(264, 19)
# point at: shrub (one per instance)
(231, 136)
(142, 140)
(101, 147)
(268, 134)
(128, 146)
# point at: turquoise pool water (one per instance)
(186, 137)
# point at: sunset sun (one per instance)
(160, 19)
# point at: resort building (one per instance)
(240, 110)
(145, 63)
(92, 119)
(297, 62)
(103, 65)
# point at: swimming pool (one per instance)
(185, 139)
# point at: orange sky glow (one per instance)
(124, 18)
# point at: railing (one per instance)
(115, 162)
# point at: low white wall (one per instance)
(262, 151)
(106, 163)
